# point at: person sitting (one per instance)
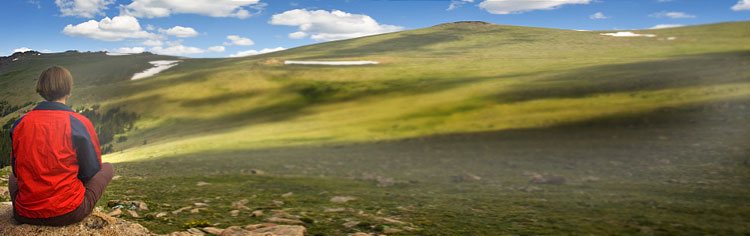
(58, 175)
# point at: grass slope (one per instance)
(649, 132)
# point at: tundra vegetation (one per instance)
(461, 129)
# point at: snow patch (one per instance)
(15, 59)
(332, 63)
(159, 66)
(629, 34)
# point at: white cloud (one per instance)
(214, 8)
(672, 14)
(83, 8)
(179, 31)
(321, 25)
(598, 16)
(520, 6)
(176, 50)
(217, 49)
(664, 26)
(256, 52)
(114, 29)
(153, 42)
(457, 3)
(297, 35)
(23, 49)
(742, 5)
(126, 51)
(237, 40)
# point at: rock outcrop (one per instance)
(97, 223)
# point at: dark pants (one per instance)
(94, 189)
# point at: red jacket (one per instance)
(55, 150)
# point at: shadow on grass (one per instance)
(703, 133)
(697, 70)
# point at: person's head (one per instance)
(54, 84)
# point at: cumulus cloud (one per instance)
(217, 49)
(179, 31)
(153, 42)
(176, 50)
(742, 5)
(321, 25)
(126, 51)
(237, 40)
(22, 49)
(598, 16)
(458, 3)
(215, 8)
(665, 26)
(297, 35)
(108, 29)
(520, 6)
(83, 8)
(672, 14)
(256, 52)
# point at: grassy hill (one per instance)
(648, 131)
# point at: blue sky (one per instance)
(222, 28)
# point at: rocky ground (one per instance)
(99, 223)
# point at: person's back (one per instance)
(57, 172)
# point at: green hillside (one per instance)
(445, 79)
(649, 132)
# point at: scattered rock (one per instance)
(391, 230)
(285, 221)
(132, 205)
(200, 204)
(234, 212)
(285, 230)
(180, 210)
(133, 213)
(195, 231)
(590, 179)
(340, 209)
(278, 203)
(116, 177)
(201, 183)
(258, 226)
(342, 199)
(467, 177)
(289, 194)
(197, 210)
(160, 214)
(257, 172)
(529, 189)
(257, 213)
(213, 230)
(240, 205)
(350, 224)
(361, 234)
(548, 179)
(116, 212)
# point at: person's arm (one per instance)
(12, 154)
(87, 148)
